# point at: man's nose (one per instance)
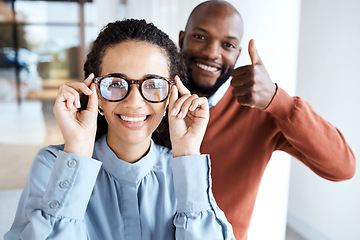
(212, 50)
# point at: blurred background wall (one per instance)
(328, 76)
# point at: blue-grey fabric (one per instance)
(69, 196)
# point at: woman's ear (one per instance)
(100, 110)
(166, 107)
(99, 97)
(100, 103)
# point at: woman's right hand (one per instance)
(188, 119)
(77, 127)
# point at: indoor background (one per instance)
(310, 48)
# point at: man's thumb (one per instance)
(254, 56)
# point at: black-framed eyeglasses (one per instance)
(115, 87)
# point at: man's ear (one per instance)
(181, 39)
(239, 52)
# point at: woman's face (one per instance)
(133, 120)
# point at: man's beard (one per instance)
(208, 91)
(205, 91)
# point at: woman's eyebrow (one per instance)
(152, 75)
(123, 75)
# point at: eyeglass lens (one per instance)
(115, 89)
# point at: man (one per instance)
(253, 117)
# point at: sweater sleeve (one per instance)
(310, 138)
(197, 216)
(55, 197)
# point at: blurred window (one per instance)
(42, 45)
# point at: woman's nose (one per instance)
(134, 96)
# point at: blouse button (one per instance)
(54, 204)
(64, 184)
(72, 163)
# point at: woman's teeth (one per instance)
(133, 119)
(206, 67)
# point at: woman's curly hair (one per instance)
(134, 30)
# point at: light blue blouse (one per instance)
(69, 196)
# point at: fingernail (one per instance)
(179, 115)
(173, 112)
(91, 75)
(78, 105)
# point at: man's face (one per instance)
(211, 46)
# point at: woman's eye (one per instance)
(116, 85)
(153, 86)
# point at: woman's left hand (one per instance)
(188, 119)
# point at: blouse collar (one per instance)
(121, 170)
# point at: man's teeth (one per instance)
(133, 119)
(206, 67)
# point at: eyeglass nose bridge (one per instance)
(130, 82)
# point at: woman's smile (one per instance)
(133, 121)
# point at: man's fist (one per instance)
(252, 84)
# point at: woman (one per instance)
(123, 185)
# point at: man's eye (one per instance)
(229, 45)
(198, 36)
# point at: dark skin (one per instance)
(211, 47)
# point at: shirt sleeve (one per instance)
(311, 139)
(55, 197)
(197, 216)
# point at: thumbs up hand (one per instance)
(252, 84)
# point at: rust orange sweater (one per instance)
(240, 141)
